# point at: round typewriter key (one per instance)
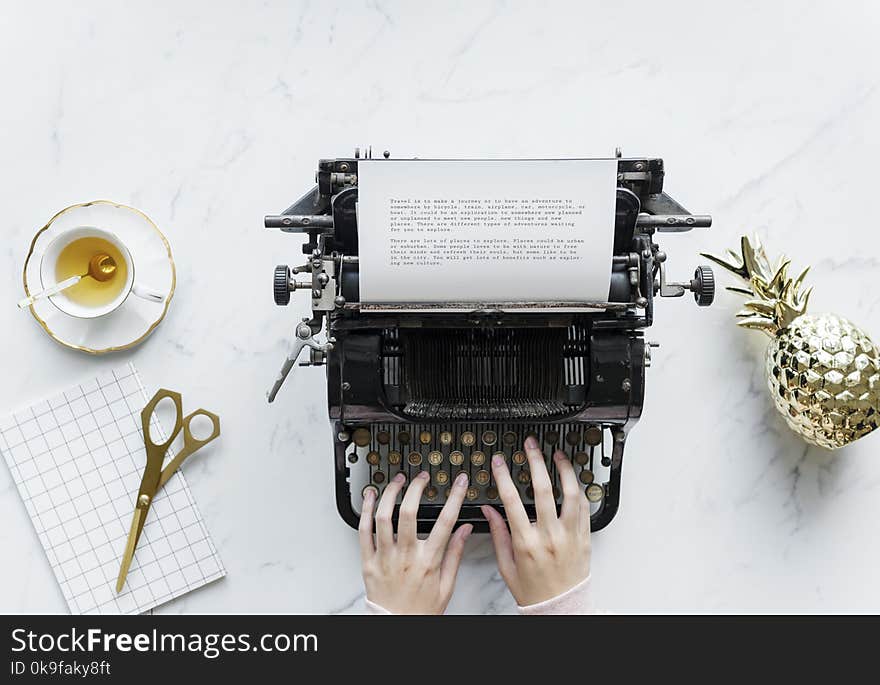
(531, 434)
(394, 457)
(586, 476)
(478, 458)
(431, 493)
(468, 438)
(441, 477)
(472, 493)
(606, 461)
(379, 477)
(572, 438)
(581, 458)
(445, 438)
(519, 457)
(489, 437)
(456, 458)
(370, 487)
(373, 458)
(500, 454)
(414, 458)
(524, 477)
(482, 477)
(593, 435)
(425, 437)
(551, 437)
(509, 438)
(361, 437)
(595, 493)
(435, 458)
(383, 437)
(403, 437)
(492, 493)
(353, 458)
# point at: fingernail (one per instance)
(461, 480)
(531, 443)
(469, 529)
(497, 460)
(424, 475)
(399, 478)
(369, 495)
(559, 456)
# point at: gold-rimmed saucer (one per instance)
(135, 318)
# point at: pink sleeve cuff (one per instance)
(375, 609)
(574, 601)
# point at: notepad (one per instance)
(77, 459)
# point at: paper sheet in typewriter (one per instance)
(485, 231)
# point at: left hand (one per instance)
(408, 575)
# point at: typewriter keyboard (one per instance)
(378, 452)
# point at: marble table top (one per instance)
(209, 115)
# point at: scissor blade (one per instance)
(134, 534)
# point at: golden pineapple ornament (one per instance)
(822, 371)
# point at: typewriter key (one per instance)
(468, 438)
(456, 458)
(593, 435)
(478, 458)
(379, 477)
(519, 457)
(524, 477)
(586, 476)
(435, 458)
(531, 434)
(394, 457)
(500, 454)
(492, 493)
(383, 437)
(373, 458)
(489, 437)
(552, 437)
(414, 458)
(581, 458)
(445, 438)
(472, 493)
(403, 437)
(509, 438)
(482, 477)
(361, 437)
(606, 461)
(441, 477)
(573, 438)
(595, 492)
(425, 437)
(353, 458)
(370, 487)
(431, 493)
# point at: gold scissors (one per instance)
(154, 475)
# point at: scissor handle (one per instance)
(147, 413)
(190, 440)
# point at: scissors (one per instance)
(154, 475)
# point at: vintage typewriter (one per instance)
(445, 391)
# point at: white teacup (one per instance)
(49, 259)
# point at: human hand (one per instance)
(408, 575)
(540, 560)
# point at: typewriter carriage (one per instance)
(568, 368)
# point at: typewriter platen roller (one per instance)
(445, 391)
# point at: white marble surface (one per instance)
(208, 115)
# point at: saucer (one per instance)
(136, 317)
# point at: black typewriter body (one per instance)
(445, 391)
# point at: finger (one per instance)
(384, 512)
(571, 490)
(585, 518)
(545, 502)
(452, 559)
(365, 528)
(448, 515)
(500, 541)
(513, 506)
(407, 517)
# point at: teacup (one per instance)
(48, 275)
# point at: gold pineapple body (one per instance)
(823, 371)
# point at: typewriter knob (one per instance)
(703, 286)
(281, 284)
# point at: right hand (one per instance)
(540, 560)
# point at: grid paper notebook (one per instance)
(77, 459)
